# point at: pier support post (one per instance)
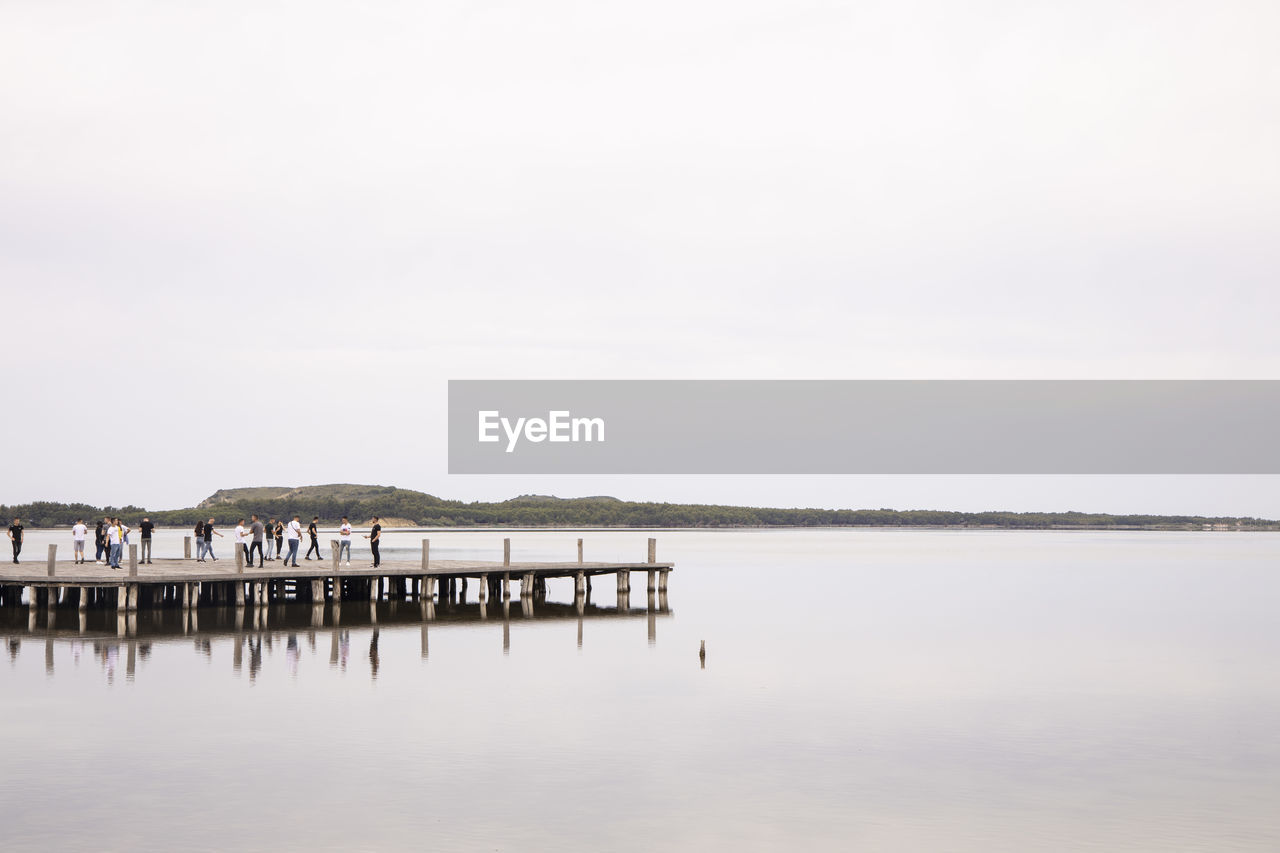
(653, 580)
(83, 604)
(426, 554)
(132, 591)
(375, 589)
(506, 586)
(186, 596)
(506, 552)
(526, 585)
(186, 547)
(483, 592)
(580, 585)
(653, 550)
(337, 588)
(238, 589)
(662, 580)
(53, 559)
(624, 580)
(317, 591)
(579, 552)
(133, 561)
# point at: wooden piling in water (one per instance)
(506, 552)
(426, 554)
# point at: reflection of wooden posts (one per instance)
(133, 561)
(333, 547)
(579, 551)
(426, 554)
(506, 552)
(653, 550)
(186, 547)
(53, 559)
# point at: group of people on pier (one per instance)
(268, 539)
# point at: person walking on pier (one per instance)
(115, 542)
(255, 531)
(270, 553)
(100, 539)
(78, 534)
(314, 532)
(209, 533)
(344, 540)
(294, 535)
(15, 538)
(199, 532)
(242, 541)
(277, 530)
(147, 527)
(374, 535)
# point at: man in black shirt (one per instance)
(314, 533)
(100, 539)
(209, 533)
(15, 537)
(147, 527)
(375, 534)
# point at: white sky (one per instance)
(248, 243)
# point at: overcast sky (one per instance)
(247, 243)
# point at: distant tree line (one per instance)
(430, 511)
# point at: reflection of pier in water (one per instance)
(115, 637)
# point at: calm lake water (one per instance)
(870, 690)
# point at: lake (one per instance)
(863, 689)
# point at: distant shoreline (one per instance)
(407, 509)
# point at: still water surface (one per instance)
(874, 690)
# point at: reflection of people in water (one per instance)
(344, 649)
(14, 645)
(255, 657)
(373, 654)
(292, 653)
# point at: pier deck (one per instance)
(228, 581)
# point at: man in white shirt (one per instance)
(242, 544)
(293, 534)
(78, 534)
(344, 540)
(115, 541)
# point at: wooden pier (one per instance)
(186, 583)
